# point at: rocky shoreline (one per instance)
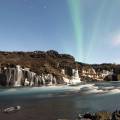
(101, 115)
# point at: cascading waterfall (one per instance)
(6, 71)
(75, 79)
(11, 76)
(26, 76)
(51, 79)
(39, 80)
(75, 74)
(63, 71)
(54, 79)
(43, 79)
(36, 80)
(32, 78)
(17, 76)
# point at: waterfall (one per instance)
(75, 77)
(11, 76)
(39, 80)
(32, 79)
(51, 79)
(7, 73)
(75, 74)
(26, 83)
(63, 71)
(26, 76)
(43, 79)
(55, 82)
(36, 80)
(18, 75)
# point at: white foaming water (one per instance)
(104, 89)
(99, 88)
(90, 88)
(113, 91)
(108, 88)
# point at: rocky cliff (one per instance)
(39, 65)
(33, 68)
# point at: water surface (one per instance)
(51, 103)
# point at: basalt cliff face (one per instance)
(35, 68)
(39, 68)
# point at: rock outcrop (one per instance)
(35, 68)
(102, 115)
(36, 64)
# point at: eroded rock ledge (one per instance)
(50, 65)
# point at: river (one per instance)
(55, 102)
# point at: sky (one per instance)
(87, 29)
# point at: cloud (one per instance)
(116, 40)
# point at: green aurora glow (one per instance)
(95, 30)
(75, 12)
(74, 7)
